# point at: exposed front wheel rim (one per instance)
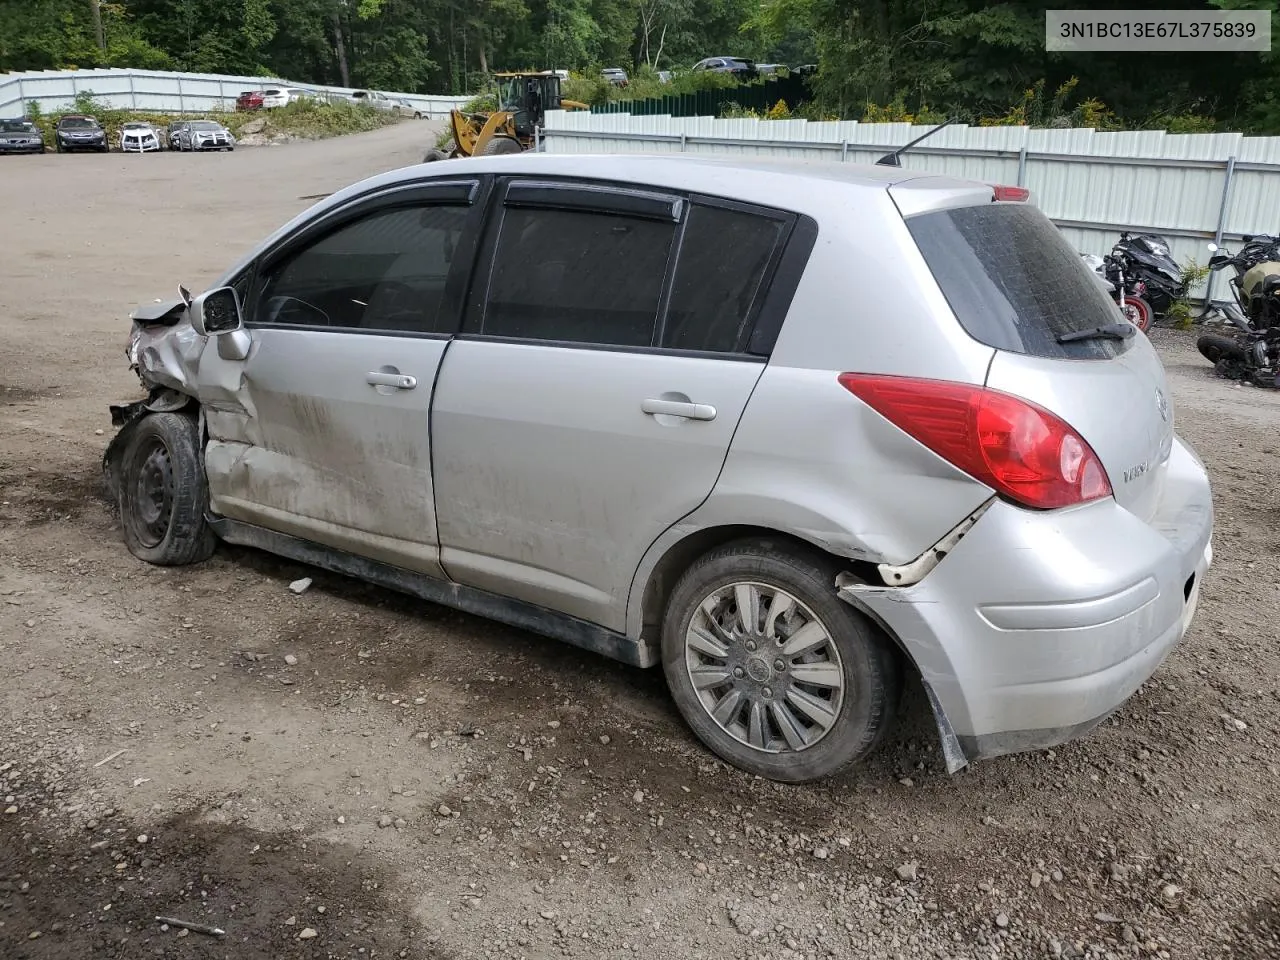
(764, 667)
(151, 510)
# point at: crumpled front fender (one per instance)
(125, 417)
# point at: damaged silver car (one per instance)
(793, 432)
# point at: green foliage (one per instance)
(311, 119)
(895, 111)
(1181, 313)
(980, 61)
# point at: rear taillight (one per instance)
(1010, 194)
(1017, 448)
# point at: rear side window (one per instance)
(724, 259)
(1014, 282)
(578, 277)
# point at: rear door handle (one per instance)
(678, 408)
(398, 380)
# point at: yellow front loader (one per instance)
(523, 102)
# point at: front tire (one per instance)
(1138, 312)
(497, 146)
(163, 492)
(1215, 347)
(772, 671)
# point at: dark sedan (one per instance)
(76, 132)
(20, 136)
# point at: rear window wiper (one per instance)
(1109, 331)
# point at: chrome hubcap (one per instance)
(764, 667)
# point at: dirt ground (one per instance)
(412, 782)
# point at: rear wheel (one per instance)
(772, 670)
(163, 492)
(501, 145)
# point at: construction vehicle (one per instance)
(523, 101)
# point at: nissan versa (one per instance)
(791, 431)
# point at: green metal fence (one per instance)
(710, 103)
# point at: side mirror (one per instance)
(216, 312)
(1218, 261)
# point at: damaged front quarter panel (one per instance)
(163, 351)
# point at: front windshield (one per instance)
(16, 126)
(78, 123)
(512, 94)
(204, 125)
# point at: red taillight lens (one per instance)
(1010, 194)
(1017, 448)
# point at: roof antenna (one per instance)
(892, 159)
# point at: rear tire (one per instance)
(434, 155)
(788, 711)
(498, 146)
(163, 492)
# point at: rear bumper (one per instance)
(1037, 626)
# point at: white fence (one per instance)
(1192, 188)
(160, 91)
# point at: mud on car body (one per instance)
(651, 406)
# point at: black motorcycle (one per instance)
(1252, 352)
(1150, 267)
(1128, 291)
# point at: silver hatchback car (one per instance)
(789, 430)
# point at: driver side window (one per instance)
(384, 272)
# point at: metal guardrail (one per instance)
(162, 91)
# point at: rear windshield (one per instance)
(1014, 282)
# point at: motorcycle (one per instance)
(1149, 263)
(1128, 291)
(1252, 352)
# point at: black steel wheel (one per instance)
(163, 492)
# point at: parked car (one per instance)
(79, 132)
(615, 75)
(249, 100)
(20, 136)
(771, 69)
(738, 65)
(674, 450)
(175, 128)
(273, 97)
(205, 135)
(408, 109)
(379, 101)
(139, 137)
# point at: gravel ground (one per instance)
(350, 773)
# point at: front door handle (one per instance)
(678, 408)
(398, 380)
